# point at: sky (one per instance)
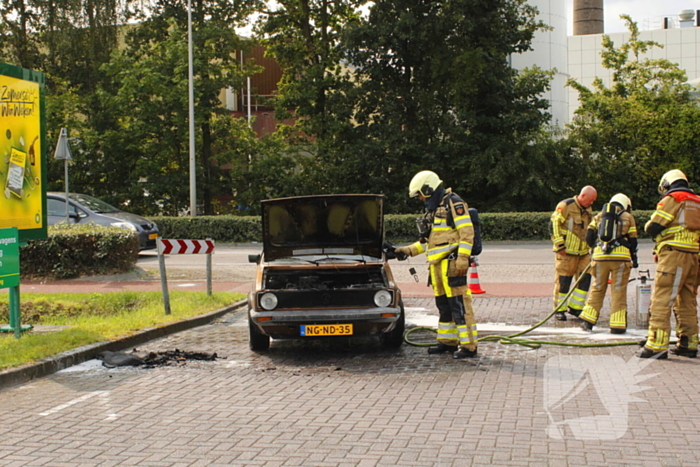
(639, 10)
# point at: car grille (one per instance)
(325, 299)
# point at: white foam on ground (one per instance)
(85, 366)
(601, 334)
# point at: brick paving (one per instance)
(353, 403)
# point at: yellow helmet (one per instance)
(424, 183)
(669, 178)
(622, 200)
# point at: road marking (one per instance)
(58, 408)
(105, 402)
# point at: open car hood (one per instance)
(328, 225)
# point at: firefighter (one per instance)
(448, 246)
(675, 228)
(613, 236)
(569, 223)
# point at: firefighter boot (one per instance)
(463, 352)
(559, 315)
(441, 348)
(681, 349)
(586, 326)
(574, 312)
(648, 353)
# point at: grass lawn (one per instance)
(95, 317)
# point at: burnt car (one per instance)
(323, 273)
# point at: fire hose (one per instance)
(515, 338)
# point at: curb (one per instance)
(54, 363)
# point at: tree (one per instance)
(19, 41)
(68, 40)
(427, 86)
(644, 123)
(151, 97)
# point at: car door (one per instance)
(56, 211)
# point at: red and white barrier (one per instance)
(182, 247)
(185, 247)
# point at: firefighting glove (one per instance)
(461, 266)
(635, 262)
(401, 253)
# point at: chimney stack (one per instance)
(588, 17)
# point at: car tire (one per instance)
(256, 339)
(394, 338)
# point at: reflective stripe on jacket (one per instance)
(669, 214)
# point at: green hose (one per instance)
(511, 339)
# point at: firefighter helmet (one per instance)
(669, 178)
(622, 200)
(424, 183)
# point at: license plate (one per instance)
(309, 330)
(152, 236)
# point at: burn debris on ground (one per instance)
(153, 359)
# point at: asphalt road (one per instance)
(500, 262)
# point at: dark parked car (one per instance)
(322, 272)
(86, 209)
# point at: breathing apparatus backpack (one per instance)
(608, 230)
(474, 215)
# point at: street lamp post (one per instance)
(190, 67)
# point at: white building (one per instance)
(681, 46)
(578, 57)
(550, 53)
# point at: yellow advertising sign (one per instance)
(21, 151)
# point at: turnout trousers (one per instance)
(619, 273)
(675, 281)
(567, 268)
(457, 323)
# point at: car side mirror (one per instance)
(254, 259)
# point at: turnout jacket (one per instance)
(673, 216)
(452, 231)
(569, 224)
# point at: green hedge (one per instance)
(227, 229)
(79, 250)
(513, 226)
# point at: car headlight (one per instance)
(382, 298)
(268, 301)
(124, 225)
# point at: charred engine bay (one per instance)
(325, 279)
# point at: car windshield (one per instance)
(93, 204)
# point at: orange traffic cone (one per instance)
(474, 285)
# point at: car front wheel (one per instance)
(256, 339)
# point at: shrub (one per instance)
(79, 250)
(227, 228)
(514, 226)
